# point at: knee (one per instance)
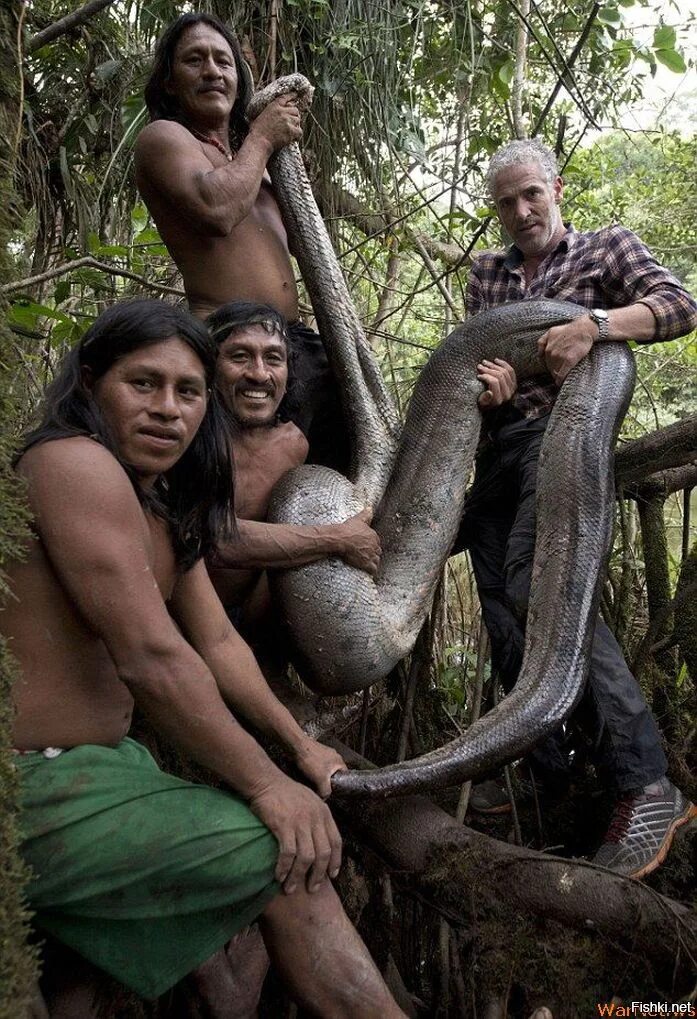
(517, 594)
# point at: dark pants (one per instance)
(313, 401)
(498, 527)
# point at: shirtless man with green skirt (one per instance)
(143, 874)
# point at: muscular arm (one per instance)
(202, 618)
(170, 163)
(281, 546)
(645, 303)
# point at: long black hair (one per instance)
(162, 105)
(237, 315)
(196, 494)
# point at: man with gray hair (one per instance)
(628, 296)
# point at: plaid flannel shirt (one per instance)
(608, 268)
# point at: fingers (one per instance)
(499, 378)
(317, 854)
(366, 515)
(365, 556)
(286, 854)
(302, 861)
(327, 849)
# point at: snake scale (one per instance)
(348, 629)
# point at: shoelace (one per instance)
(621, 819)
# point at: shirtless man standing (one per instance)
(201, 170)
(141, 873)
(253, 377)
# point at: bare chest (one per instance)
(259, 466)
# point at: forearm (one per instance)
(247, 693)
(268, 546)
(229, 192)
(635, 322)
(178, 693)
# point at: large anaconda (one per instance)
(349, 630)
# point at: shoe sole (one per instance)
(689, 814)
(505, 808)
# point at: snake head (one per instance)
(297, 83)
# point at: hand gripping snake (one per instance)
(348, 629)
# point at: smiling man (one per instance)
(256, 378)
(201, 170)
(629, 296)
(145, 875)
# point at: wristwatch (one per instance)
(600, 317)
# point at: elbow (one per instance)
(152, 667)
(215, 223)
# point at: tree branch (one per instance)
(444, 861)
(87, 263)
(673, 446)
(664, 483)
(65, 24)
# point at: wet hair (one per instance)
(194, 496)
(237, 315)
(164, 106)
(517, 153)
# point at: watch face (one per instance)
(599, 313)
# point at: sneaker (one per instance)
(642, 828)
(490, 797)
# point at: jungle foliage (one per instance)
(411, 99)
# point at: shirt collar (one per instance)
(514, 257)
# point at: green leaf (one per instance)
(115, 250)
(62, 291)
(139, 216)
(147, 236)
(671, 59)
(131, 110)
(506, 72)
(664, 38)
(610, 16)
(25, 312)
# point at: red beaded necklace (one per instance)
(210, 139)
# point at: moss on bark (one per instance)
(18, 965)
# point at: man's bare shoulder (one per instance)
(294, 442)
(161, 141)
(74, 471)
(164, 132)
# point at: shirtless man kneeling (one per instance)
(255, 377)
(145, 875)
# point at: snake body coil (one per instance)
(348, 629)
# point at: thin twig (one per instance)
(365, 711)
(482, 651)
(687, 492)
(20, 114)
(569, 63)
(87, 262)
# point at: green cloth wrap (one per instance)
(143, 874)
